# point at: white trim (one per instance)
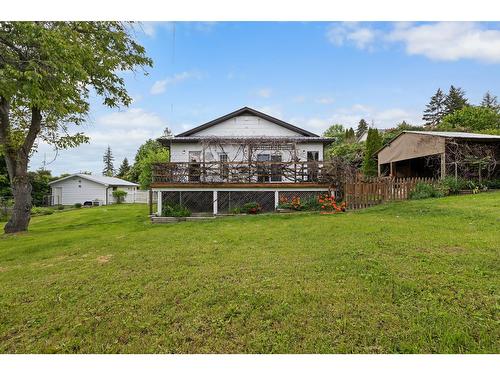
(276, 198)
(241, 189)
(96, 180)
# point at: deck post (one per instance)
(215, 204)
(159, 203)
(276, 199)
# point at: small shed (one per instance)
(81, 188)
(437, 154)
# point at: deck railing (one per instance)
(243, 172)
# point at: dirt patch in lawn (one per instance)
(104, 259)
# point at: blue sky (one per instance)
(312, 74)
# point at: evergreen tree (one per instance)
(435, 110)
(362, 128)
(109, 169)
(350, 135)
(373, 143)
(490, 101)
(124, 169)
(455, 100)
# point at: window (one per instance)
(263, 167)
(276, 168)
(223, 167)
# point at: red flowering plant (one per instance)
(293, 204)
(329, 205)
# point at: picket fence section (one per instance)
(370, 192)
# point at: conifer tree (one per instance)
(373, 144)
(350, 135)
(362, 128)
(435, 110)
(490, 101)
(124, 169)
(455, 100)
(109, 169)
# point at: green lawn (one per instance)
(408, 277)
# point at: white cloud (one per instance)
(124, 131)
(264, 92)
(161, 86)
(349, 117)
(325, 100)
(359, 34)
(133, 117)
(148, 28)
(442, 41)
(449, 41)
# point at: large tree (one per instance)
(148, 153)
(373, 143)
(47, 73)
(435, 110)
(107, 159)
(362, 128)
(124, 169)
(490, 101)
(472, 119)
(455, 100)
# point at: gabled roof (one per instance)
(250, 111)
(103, 180)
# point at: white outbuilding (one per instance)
(82, 188)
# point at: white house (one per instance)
(81, 188)
(244, 156)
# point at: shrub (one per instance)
(119, 195)
(78, 205)
(423, 191)
(452, 185)
(175, 210)
(236, 210)
(60, 207)
(492, 184)
(39, 211)
(311, 204)
(252, 208)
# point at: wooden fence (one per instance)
(367, 193)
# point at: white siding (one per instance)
(247, 126)
(179, 152)
(78, 190)
(129, 198)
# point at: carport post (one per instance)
(443, 165)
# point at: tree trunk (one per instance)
(16, 160)
(21, 214)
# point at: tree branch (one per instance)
(35, 126)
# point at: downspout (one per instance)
(106, 201)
